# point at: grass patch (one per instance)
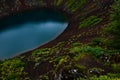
(90, 21)
(12, 69)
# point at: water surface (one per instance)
(28, 30)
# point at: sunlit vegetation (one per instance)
(63, 64)
(106, 77)
(12, 69)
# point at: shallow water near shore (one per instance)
(28, 30)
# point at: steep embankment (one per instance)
(75, 10)
(66, 53)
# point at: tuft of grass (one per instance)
(12, 69)
(90, 21)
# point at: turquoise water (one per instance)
(28, 30)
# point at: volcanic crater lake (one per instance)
(28, 30)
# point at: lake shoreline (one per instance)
(16, 30)
(54, 41)
(73, 22)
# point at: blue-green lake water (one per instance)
(28, 30)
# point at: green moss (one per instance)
(79, 56)
(44, 77)
(78, 4)
(75, 50)
(57, 2)
(41, 51)
(90, 21)
(95, 51)
(12, 69)
(103, 78)
(61, 63)
(76, 44)
(116, 67)
(72, 5)
(69, 3)
(96, 42)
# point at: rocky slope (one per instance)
(69, 52)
